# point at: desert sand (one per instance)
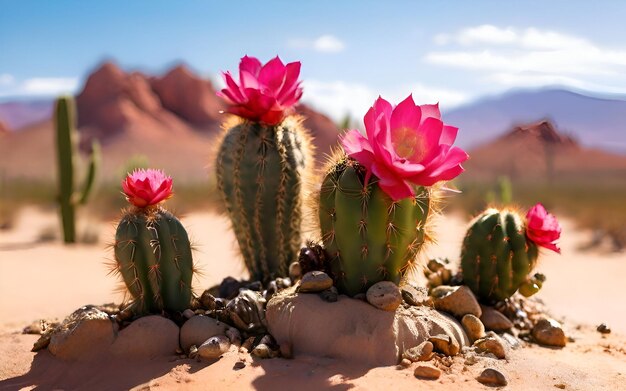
(49, 280)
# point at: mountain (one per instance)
(4, 128)
(594, 122)
(21, 113)
(538, 151)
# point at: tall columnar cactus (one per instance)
(66, 136)
(152, 249)
(262, 163)
(500, 250)
(374, 203)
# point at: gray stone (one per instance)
(263, 351)
(491, 345)
(416, 296)
(473, 327)
(442, 343)
(384, 295)
(214, 347)
(315, 281)
(549, 332)
(246, 311)
(147, 337)
(492, 377)
(458, 301)
(421, 352)
(427, 372)
(83, 334)
(494, 320)
(330, 295)
(198, 329)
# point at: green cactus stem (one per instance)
(66, 139)
(153, 257)
(369, 237)
(496, 257)
(261, 173)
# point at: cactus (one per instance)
(497, 257)
(260, 175)
(368, 236)
(152, 249)
(66, 136)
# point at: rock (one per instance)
(188, 313)
(421, 352)
(442, 343)
(295, 271)
(247, 345)
(341, 330)
(233, 335)
(207, 301)
(214, 347)
(247, 312)
(83, 334)
(458, 301)
(549, 332)
(415, 296)
(603, 329)
(384, 295)
(330, 295)
(263, 351)
(229, 288)
(405, 363)
(427, 372)
(315, 281)
(198, 329)
(494, 320)
(470, 359)
(147, 337)
(193, 351)
(491, 345)
(473, 327)
(492, 377)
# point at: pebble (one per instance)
(247, 345)
(263, 351)
(421, 352)
(315, 281)
(405, 363)
(490, 345)
(246, 311)
(295, 271)
(233, 335)
(330, 295)
(473, 327)
(603, 329)
(471, 359)
(492, 377)
(207, 300)
(188, 313)
(198, 329)
(458, 301)
(427, 372)
(444, 344)
(494, 320)
(416, 296)
(214, 347)
(384, 295)
(549, 332)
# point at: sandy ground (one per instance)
(48, 280)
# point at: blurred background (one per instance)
(538, 90)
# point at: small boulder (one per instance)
(330, 295)
(492, 377)
(198, 329)
(473, 327)
(384, 295)
(494, 320)
(315, 281)
(490, 344)
(149, 336)
(421, 352)
(214, 347)
(549, 332)
(458, 301)
(444, 344)
(427, 372)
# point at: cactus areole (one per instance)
(375, 199)
(262, 161)
(500, 250)
(152, 250)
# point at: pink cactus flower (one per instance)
(542, 228)
(404, 146)
(147, 187)
(264, 93)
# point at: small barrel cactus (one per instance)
(262, 163)
(374, 202)
(500, 250)
(152, 250)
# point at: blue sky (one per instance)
(351, 51)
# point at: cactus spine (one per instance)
(496, 257)
(260, 175)
(153, 256)
(66, 136)
(369, 237)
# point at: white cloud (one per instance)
(325, 44)
(532, 57)
(38, 86)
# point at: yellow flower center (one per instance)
(408, 144)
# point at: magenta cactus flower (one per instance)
(542, 228)
(405, 145)
(144, 188)
(265, 93)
